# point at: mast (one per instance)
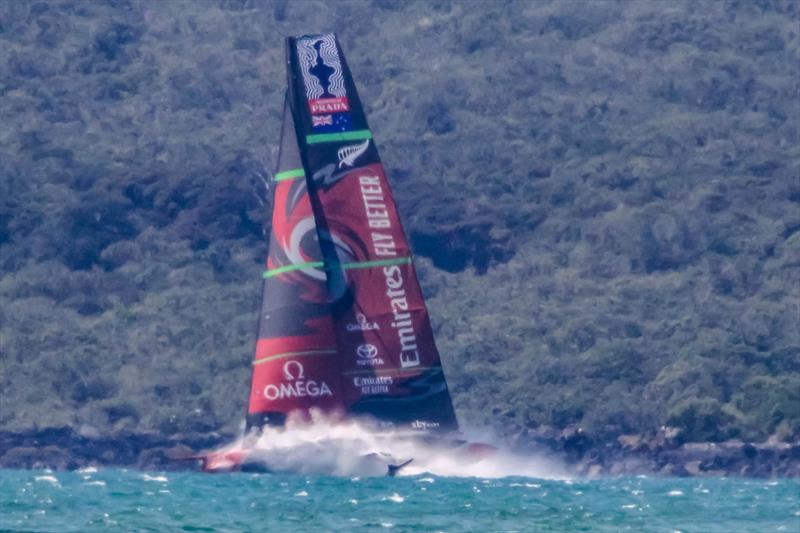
(388, 362)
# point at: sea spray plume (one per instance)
(325, 445)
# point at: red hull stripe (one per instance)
(290, 174)
(358, 135)
(343, 266)
(331, 351)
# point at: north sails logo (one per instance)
(349, 154)
(297, 386)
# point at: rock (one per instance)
(154, 459)
(750, 451)
(179, 451)
(55, 458)
(594, 471)
(693, 468)
(20, 457)
(795, 452)
(679, 470)
(108, 457)
(667, 470)
(575, 441)
(666, 438)
(630, 442)
(89, 432)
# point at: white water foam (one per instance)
(160, 479)
(326, 446)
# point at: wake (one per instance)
(325, 446)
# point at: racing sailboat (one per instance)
(343, 326)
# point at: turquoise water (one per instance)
(126, 500)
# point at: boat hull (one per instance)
(251, 460)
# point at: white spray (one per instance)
(326, 446)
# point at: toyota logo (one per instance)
(367, 351)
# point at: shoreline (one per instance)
(65, 449)
(662, 454)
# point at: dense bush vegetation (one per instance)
(603, 198)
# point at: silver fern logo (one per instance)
(349, 154)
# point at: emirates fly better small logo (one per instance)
(368, 355)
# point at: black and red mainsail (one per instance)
(343, 325)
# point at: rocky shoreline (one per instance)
(660, 454)
(65, 449)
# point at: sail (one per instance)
(296, 364)
(388, 361)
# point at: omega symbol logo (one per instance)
(298, 370)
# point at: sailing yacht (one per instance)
(343, 328)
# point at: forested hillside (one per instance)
(603, 199)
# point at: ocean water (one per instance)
(129, 500)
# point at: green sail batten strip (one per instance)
(295, 354)
(378, 263)
(290, 268)
(358, 135)
(290, 174)
(343, 266)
